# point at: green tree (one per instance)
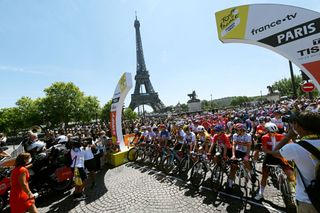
(284, 86)
(105, 112)
(240, 100)
(28, 111)
(62, 102)
(129, 114)
(10, 120)
(89, 109)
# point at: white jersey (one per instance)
(190, 138)
(243, 139)
(278, 122)
(306, 163)
(77, 156)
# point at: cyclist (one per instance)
(190, 138)
(179, 135)
(221, 140)
(240, 149)
(260, 131)
(277, 120)
(164, 135)
(203, 137)
(269, 142)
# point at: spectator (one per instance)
(21, 198)
(77, 156)
(89, 160)
(307, 126)
(3, 139)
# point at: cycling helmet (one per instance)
(252, 118)
(186, 128)
(136, 130)
(62, 139)
(262, 119)
(38, 145)
(200, 128)
(237, 120)
(162, 126)
(240, 126)
(271, 127)
(180, 123)
(218, 128)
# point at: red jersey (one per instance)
(260, 129)
(222, 139)
(270, 143)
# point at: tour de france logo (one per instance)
(123, 83)
(229, 22)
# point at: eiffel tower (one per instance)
(150, 97)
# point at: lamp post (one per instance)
(211, 102)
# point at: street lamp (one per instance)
(211, 102)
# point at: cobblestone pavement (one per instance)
(138, 188)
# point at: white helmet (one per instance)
(200, 128)
(271, 127)
(62, 139)
(38, 145)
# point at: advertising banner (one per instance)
(120, 93)
(292, 32)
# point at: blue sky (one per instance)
(91, 43)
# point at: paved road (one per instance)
(139, 188)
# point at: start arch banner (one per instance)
(292, 32)
(123, 87)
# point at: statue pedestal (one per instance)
(194, 106)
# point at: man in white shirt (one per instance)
(307, 126)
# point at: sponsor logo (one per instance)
(316, 41)
(272, 24)
(293, 34)
(309, 51)
(296, 33)
(115, 100)
(229, 22)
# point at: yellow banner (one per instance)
(232, 22)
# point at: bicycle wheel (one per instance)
(243, 185)
(139, 155)
(217, 177)
(168, 164)
(184, 167)
(131, 154)
(198, 174)
(286, 194)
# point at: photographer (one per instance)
(307, 126)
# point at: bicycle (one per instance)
(277, 173)
(199, 170)
(171, 161)
(218, 170)
(136, 153)
(186, 164)
(242, 174)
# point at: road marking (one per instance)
(249, 201)
(209, 189)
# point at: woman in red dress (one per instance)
(21, 198)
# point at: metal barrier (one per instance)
(17, 151)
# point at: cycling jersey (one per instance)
(190, 138)
(271, 142)
(222, 140)
(204, 137)
(243, 140)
